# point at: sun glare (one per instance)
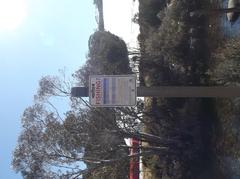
(12, 13)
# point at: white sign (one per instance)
(112, 90)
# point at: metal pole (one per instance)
(189, 91)
(175, 92)
(79, 92)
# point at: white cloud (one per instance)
(118, 16)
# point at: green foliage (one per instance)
(47, 143)
(55, 146)
(30, 156)
(170, 40)
(173, 43)
(147, 18)
(49, 86)
(165, 51)
(172, 55)
(52, 145)
(148, 10)
(108, 55)
(226, 70)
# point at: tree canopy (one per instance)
(83, 142)
(107, 55)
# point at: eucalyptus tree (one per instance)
(84, 141)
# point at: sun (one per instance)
(12, 14)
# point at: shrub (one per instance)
(226, 70)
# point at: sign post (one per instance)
(121, 90)
(112, 90)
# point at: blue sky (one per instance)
(49, 35)
(53, 35)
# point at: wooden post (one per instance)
(175, 92)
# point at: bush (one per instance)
(108, 55)
(226, 70)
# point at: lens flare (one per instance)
(12, 13)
